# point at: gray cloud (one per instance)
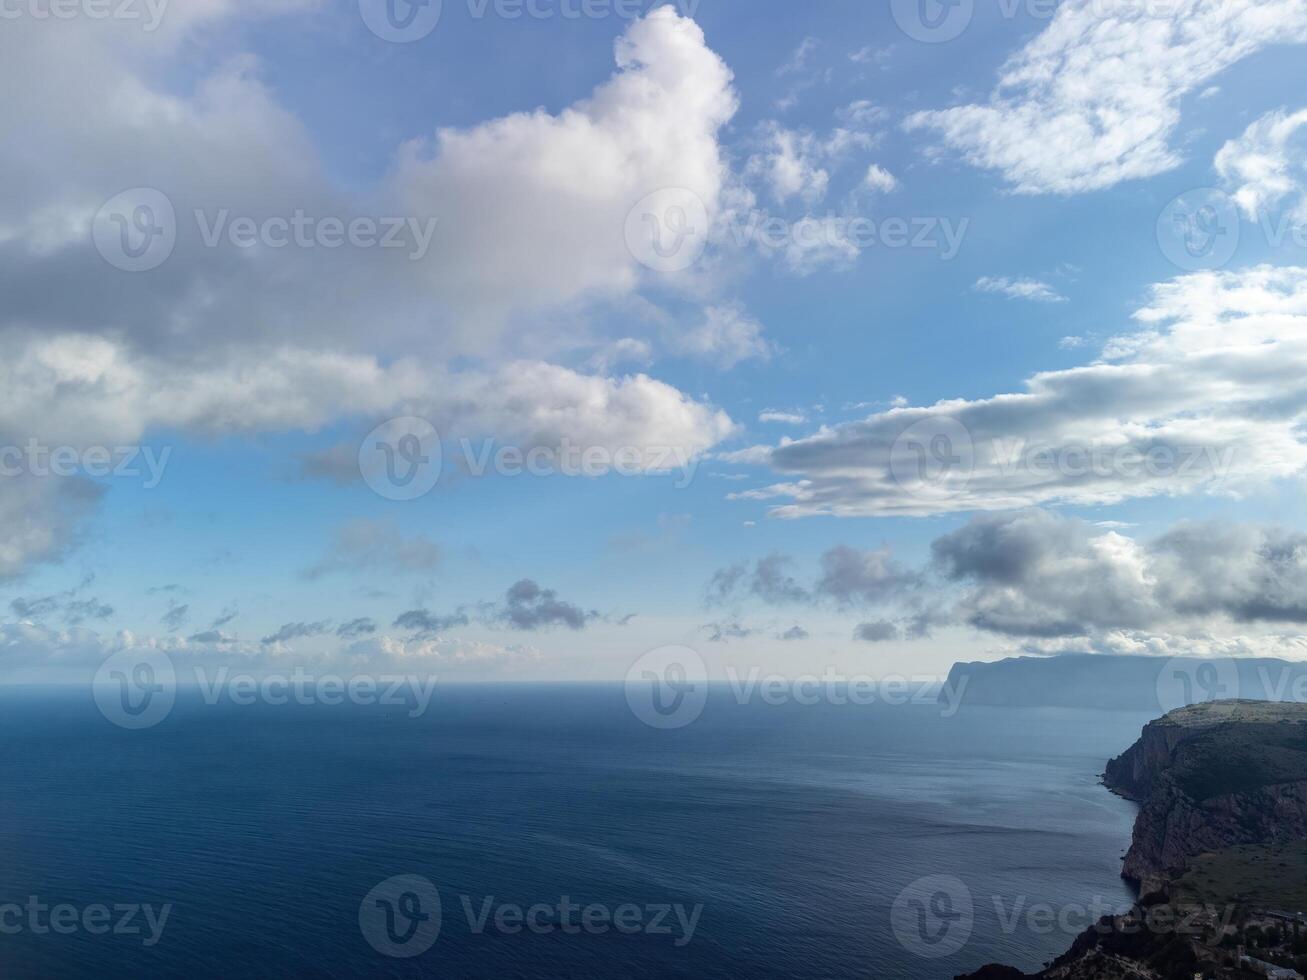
(529, 607)
(877, 631)
(296, 631)
(177, 616)
(424, 622)
(363, 626)
(1037, 574)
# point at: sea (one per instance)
(545, 831)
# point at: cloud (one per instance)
(295, 631)
(1032, 289)
(40, 519)
(72, 608)
(177, 616)
(1094, 98)
(375, 546)
(424, 622)
(877, 631)
(768, 580)
(852, 577)
(212, 638)
(784, 418)
(724, 632)
(443, 651)
(879, 179)
(726, 336)
(538, 201)
(529, 211)
(529, 607)
(794, 633)
(1041, 575)
(1207, 394)
(1267, 164)
(355, 628)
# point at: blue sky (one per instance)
(790, 378)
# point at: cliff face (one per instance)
(1210, 778)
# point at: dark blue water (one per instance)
(794, 827)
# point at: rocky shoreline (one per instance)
(1209, 779)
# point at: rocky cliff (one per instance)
(1211, 777)
(1208, 779)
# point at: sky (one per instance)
(513, 340)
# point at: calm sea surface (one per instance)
(794, 828)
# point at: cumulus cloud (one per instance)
(1095, 98)
(529, 213)
(1207, 394)
(1267, 164)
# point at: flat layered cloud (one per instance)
(1208, 394)
(1095, 98)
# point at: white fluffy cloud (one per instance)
(1209, 393)
(1267, 164)
(1094, 98)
